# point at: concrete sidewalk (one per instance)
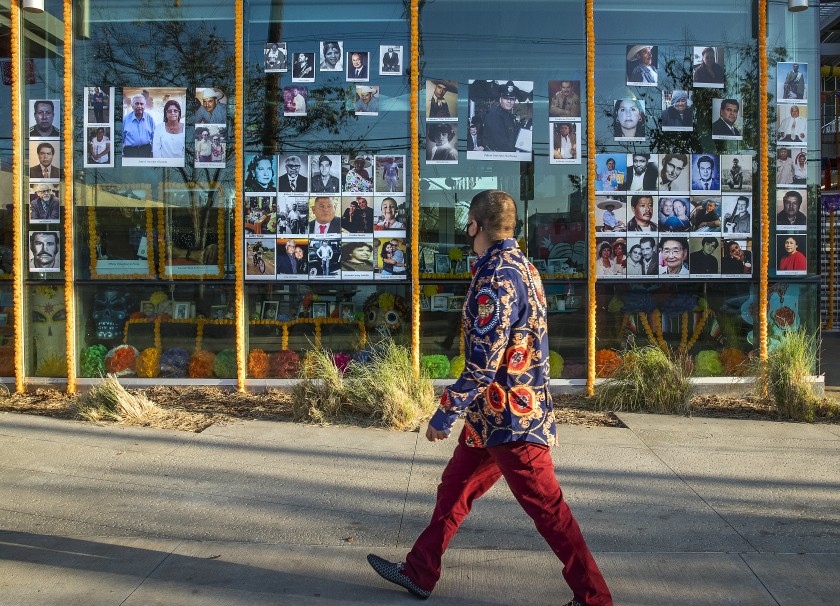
(678, 511)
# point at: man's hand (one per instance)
(435, 435)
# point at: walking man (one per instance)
(509, 425)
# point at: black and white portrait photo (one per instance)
(390, 60)
(274, 57)
(441, 100)
(303, 67)
(442, 143)
(45, 251)
(332, 55)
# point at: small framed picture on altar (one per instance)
(181, 311)
(319, 310)
(442, 264)
(440, 302)
(218, 312)
(269, 310)
(346, 311)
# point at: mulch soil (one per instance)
(196, 408)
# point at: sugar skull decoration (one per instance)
(385, 312)
(110, 312)
(47, 331)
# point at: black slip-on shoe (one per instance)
(573, 603)
(393, 571)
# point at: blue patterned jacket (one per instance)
(504, 388)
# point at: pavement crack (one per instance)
(691, 488)
(407, 488)
(758, 578)
(152, 571)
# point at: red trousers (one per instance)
(529, 472)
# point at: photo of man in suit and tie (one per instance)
(46, 154)
(357, 67)
(325, 221)
(292, 180)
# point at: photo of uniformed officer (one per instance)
(503, 112)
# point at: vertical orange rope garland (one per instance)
(17, 196)
(415, 185)
(67, 129)
(763, 167)
(239, 136)
(590, 179)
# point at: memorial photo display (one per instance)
(324, 216)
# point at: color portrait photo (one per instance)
(153, 132)
(502, 111)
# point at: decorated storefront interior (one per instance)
(202, 192)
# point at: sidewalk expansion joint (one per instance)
(152, 571)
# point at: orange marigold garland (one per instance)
(698, 329)
(258, 364)
(238, 170)
(607, 362)
(591, 354)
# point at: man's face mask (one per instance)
(472, 232)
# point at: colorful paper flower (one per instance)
(436, 365)
(708, 364)
(606, 362)
(258, 364)
(284, 364)
(174, 363)
(555, 363)
(201, 364)
(148, 363)
(224, 366)
(456, 367)
(93, 361)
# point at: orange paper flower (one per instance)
(606, 362)
(258, 364)
(201, 364)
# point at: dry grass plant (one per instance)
(110, 401)
(787, 376)
(389, 389)
(385, 390)
(319, 394)
(648, 380)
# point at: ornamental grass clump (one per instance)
(786, 376)
(388, 389)
(384, 389)
(648, 379)
(318, 396)
(110, 401)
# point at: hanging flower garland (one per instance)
(69, 278)
(415, 183)
(238, 169)
(764, 172)
(590, 177)
(17, 223)
(698, 329)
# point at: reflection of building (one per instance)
(191, 239)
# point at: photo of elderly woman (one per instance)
(331, 57)
(629, 120)
(677, 111)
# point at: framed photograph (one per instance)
(303, 67)
(708, 69)
(165, 107)
(4, 319)
(218, 312)
(390, 174)
(148, 308)
(269, 310)
(193, 224)
(346, 311)
(642, 63)
(440, 302)
(165, 307)
(791, 82)
(45, 251)
(558, 266)
(456, 303)
(727, 119)
(99, 106)
(565, 142)
(319, 310)
(442, 264)
(121, 226)
(44, 161)
(210, 146)
(295, 99)
(441, 100)
(565, 100)
(487, 98)
(357, 66)
(331, 55)
(181, 310)
(44, 118)
(274, 57)
(425, 303)
(390, 60)
(461, 267)
(100, 147)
